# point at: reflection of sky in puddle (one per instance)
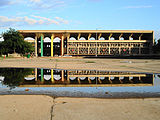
(91, 90)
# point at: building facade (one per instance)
(90, 42)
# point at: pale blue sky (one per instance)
(80, 14)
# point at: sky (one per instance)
(80, 15)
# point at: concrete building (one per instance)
(90, 42)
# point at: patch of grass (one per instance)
(90, 62)
(57, 60)
(123, 66)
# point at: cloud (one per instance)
(32, 20)
(46, 4)
(45, 20)
(61, 20)
(137, 7)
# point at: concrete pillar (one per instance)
(52, 37)
(110, 36)
(99, 36)
(41, 45)
(109, 48)
(35, 45)
(120, 36)
(62, 76)
(140, 37)
(79, 35)
(42, 78)
(130, 36)
(35, 74)
(89, 36)
(68, 36)
(62, 46)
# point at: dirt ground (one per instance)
(40, 107)
(138, 65)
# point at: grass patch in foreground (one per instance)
(123, 66)
(90, 62)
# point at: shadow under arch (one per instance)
(57, 46)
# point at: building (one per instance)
(90, 42)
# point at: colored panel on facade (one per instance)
(52, 79)
(42, 79)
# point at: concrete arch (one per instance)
(102, 38)
(47, 77)
(72, 78)
(29, 39)
(29, 78)
(121, 78)
(112, 38)
(92, 38)
(112, 78)
(121, 38)
(82, 38)
(82, 78)
(57, 77)
(131, 38)
(47, 39)
(72, 38)
(102, 78)
(92, 78)
(130, 78)
(57, 39)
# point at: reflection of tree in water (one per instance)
(14, 76)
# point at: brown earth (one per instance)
(138, 65)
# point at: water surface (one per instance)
(79, 83)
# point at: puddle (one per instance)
(79, 83)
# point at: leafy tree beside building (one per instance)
(14, 43)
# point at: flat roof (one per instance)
(86, 31)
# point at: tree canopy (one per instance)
(14, 43)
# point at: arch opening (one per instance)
(82, 38)
(57, 46)
(92, 38)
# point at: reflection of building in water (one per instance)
(85, 78)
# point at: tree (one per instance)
(14, 43)
(14, 77)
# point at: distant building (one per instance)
(90, 42)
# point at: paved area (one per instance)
(22, 107)
(39, 107)
(138, 65)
